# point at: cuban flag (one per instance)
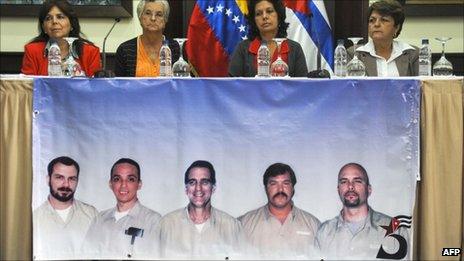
(217, 26)
(310, 27)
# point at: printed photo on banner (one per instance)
(224, 169)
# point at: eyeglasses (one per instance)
(156, 15)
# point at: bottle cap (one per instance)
(425, 41)
(340, 41)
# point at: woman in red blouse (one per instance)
(58, 20)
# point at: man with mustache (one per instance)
(199, 231)
(60, 223)
(128, 230)
(280, 230)
(357, 232)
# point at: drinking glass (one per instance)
(443, 67)
(355, 67)
(279, 68)
(181, 68)
(70, 66)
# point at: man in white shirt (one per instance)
(359, 232)
(60, 223)
(280, 230)
(128, 230)
(199, 231)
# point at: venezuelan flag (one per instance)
(215, 28)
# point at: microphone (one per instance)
(104, 73)
(318, 73)
(134, 232)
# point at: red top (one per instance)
(35, 62)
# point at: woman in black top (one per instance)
(139, 57)
(266, 19)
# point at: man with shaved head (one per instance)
(359, 232)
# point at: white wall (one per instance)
(16, 31)
(415, 28)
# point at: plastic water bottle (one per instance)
(425, 59)
(340, 59)
(54, 60)
(165, 60)
(263, 60)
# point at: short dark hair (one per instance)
(67, 9)
(389, 7)
(277, 169)
(359, 167)
(201, 164)
(128, 161)
(279, 7)
(63, 160)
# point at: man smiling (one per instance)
(199, 231)
(280, 230)
(129, 229)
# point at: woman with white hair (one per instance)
(139, 57)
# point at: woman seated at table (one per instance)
(58, 20)
(266, 21)
(383, 55)
(139, 56)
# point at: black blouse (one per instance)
(126, 57)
